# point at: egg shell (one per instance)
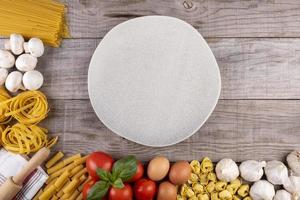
(167, 191)
(158, 168)
(180, 172)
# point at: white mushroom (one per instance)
(7, 60)
(3, 75)
(14, 81)
(15, 44)
(35, 47)
(26, 62)
(33, 80)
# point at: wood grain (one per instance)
(250, 68)
(239, 129)
(213, 18)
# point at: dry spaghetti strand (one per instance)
(44, 19)
(4, 109)
(25, 139)
(29, 107)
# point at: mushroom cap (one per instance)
(14, 81)
(16, 43)
(26, 62)
(3, 75)
(35, 47)
(7, 60)
(33, 80)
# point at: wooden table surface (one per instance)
(256, 44)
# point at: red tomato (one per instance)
(86, 188)
(145, 189)
(139, 172)
(124, 193)
(98, 160)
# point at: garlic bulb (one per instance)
(262, 190)
(282, 195)
(252, 170)
(293, 160)
(292, 185)
(276, 172)
(227, 170)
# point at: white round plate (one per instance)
(154, 80)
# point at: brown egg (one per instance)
(158, 168)
(167, 191)
(180, 172)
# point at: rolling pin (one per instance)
(13, 185)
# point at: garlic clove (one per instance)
(33, 80)
(262, 190)
(26, 62)
(14, 81)
(282, 195)
(292, 185)
(35, 47)
(7, 60)
(227, 170)
(3, 75)
(293, 160)
(276, 172)
(252, 170)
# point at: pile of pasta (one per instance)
(203, 184)
(44, 19)
(27, 109)
(66, 178)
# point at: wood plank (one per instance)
(239, 129)
(250, 68)
(213, 18)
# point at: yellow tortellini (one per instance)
(203, 197)
(225, 195)
(212, 176)
(235, 197)
(210, 187)
(243, 191)
(195, 165)
(207, 165)
(234, 186)
(198, 188)
(204, 185)
(193, 178)
(220, 186)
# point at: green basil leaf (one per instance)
(98, 191)
(118, 183)
(125, 168)
(103, 175)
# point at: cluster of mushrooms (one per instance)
(276, 174)
(24, 56)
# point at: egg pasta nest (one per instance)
(28, 109)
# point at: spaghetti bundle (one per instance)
(29, 107)
(25, 139)
(4, 109)
(44, 19)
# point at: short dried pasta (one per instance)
(210, 187)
